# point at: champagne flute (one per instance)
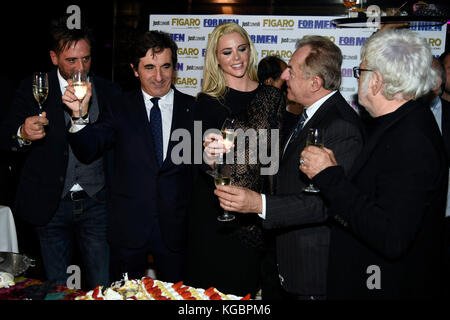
(314, 138)
(229, 137)
(223, 178)
(79, 83)
(40, 88)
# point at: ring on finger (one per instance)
(302, 161)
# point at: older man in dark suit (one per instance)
(300, 219)
(391, 205)
(150, 193)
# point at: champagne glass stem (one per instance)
(79, 110)
(225, 217)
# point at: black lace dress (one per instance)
(227, 255)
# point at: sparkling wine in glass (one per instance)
(223, 178)
(40, 88)
(314, 138)
(80, 83)
(229, 138)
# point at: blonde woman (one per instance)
(227, 255)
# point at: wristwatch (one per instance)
(22, 140)
(78, 118)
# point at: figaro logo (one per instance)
(285, 54)
(186, 22)
(186, 81)
(278, 23)
(434, 42)
(188, 51)
(216, 22)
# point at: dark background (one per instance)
(24, 27)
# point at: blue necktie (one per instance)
(156, 126)
(300, 124)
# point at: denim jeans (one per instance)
(82, 221)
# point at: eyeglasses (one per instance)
(357, 71)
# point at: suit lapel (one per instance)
(140, 120)
(445, 125)
(315, 122)
(180, 119)
(54, 106)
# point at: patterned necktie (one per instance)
(156, 126)
(300, 124)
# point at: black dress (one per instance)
(227, 255)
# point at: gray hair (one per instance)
(403, 59)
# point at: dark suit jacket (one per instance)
(43, 174)
(391, 211)
(303, 235)
(6, 183)
(446, 126)
(142, 193)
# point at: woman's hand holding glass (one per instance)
(215, 146)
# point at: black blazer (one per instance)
(43, 174)
(390, 211)
(142, 194)
(445, 124)
(301, 218)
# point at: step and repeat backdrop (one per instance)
(273, 35)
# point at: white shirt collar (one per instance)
(166, 99)
(311, 110)
(62, 82)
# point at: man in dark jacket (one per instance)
(389, 209)
(62, 197)
(151, 191)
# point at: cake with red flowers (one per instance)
(151, 289)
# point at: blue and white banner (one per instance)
(273, 35)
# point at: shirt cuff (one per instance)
(77, 127)
(22, 142)
(262, 215)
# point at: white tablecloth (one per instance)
(8, 236)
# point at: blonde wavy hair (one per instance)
(214, 83)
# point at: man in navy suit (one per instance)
(150, 193)
(390, 207)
